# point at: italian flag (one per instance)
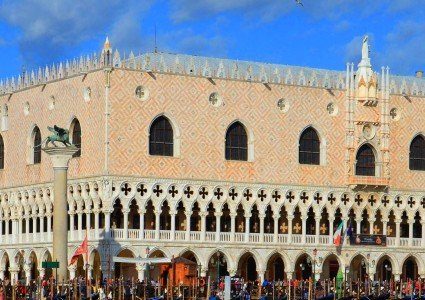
(338, 235)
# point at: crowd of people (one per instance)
(119, 289)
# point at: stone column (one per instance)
(303, 229)
(331, 230)
(107, 214)
(218, 225)
(27, 270)
(232, 226)
(49, 227)
(88, 225)
(423, 233)
(173, 225)
(371, 224)
(71, 226)
(80, 225)
(96, 224)
(7, 231)
(411, 222)
(358, 223)
(125, 227)
(42, 272)
(20, 230)
(261, 274)
(27, 225)
(14, 274)
(397, 232)
(384, 226)
(1, 231)
(275, 227)
(140, 272)
(262, 217)
(290, 218)
(247, 217)
(142, 223)
(60, 157)
(317, 219)
(34, 228)
(203, 225)
(157, 223)
(188, 215)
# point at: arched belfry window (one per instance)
(36, 146)
(161, 138)
(417, 154)
(76, 136)
(309, 147)
(236, 142)
(365, 165)
(1, 153)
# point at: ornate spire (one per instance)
(107, 44)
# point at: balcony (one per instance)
(132, 235)
(368, 181)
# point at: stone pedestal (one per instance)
(60, 157)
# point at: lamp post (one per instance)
(387, 271)
(218, 268)
(346, 270)
(314, 272)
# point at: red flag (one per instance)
(82, 249)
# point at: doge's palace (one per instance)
(250, 163)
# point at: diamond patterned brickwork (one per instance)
(185, 100)
(69, 102)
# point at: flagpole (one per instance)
(87, 267)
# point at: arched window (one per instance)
(76, 136)
(1, 153)
(309, 147)
(236, 142)
(36, 146)
(417, 154)
(365, 165)
(161, 137)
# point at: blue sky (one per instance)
(321, 34)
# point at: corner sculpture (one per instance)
(59, 135)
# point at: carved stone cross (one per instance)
(423, 202)
(276, 196)
(398, 201)
(262, 195)
(173, 192)
(371, 200)
(157, 191)
(317, 198)
(290, 196)
(247, 195)
(376, 229)
(218, 193)
(345, 199)
(331, 198)
(358, 199)
(297, 227)
(233, 194)
(126, 189)
(142, 189)
(323, 228)
(304, 197)
(385, 201)
(188, 192)
(203, 192)
(411, 202)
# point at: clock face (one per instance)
(368, 131)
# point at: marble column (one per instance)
(71, 226)
(290, 219)
(303, 229)
(371, 224)
(125, 227)
(27, 227)
(232, 226)
(60, 157)
(49, 227)
(247, 217)
(188, 215)
(331, 230)
(423, 234)
(157, 223)
(397, 232)
(218, 225)
(276, 228)
(384, 226)
(411, 222)
(262, 217)
(142, 223)
(317, 219)
(107, 214)
(96, 224)
(173, 226)
(203, 225)
(80, 225)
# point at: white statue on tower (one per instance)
(365, 48)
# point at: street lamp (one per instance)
(387, 271)
(147, 267)
(346, 270)
(314, 272)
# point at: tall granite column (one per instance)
(60, 157)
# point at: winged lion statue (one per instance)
(59, 135)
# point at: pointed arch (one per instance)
(75, 130)
(417, 153)
(236, 142)
(161, 137)
(365, 161)
(35, 146)
(309, 147)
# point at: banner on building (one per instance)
(368, 239)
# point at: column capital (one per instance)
(60, 156)
(218, 214)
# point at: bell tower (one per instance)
(367, 129)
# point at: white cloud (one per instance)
(48, 29)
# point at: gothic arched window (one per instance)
(1, 153)
(365, 165)
(417, 154)
(309, 147)
(36, 146)
(161, 137)
(76, 136)
(236, 142)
